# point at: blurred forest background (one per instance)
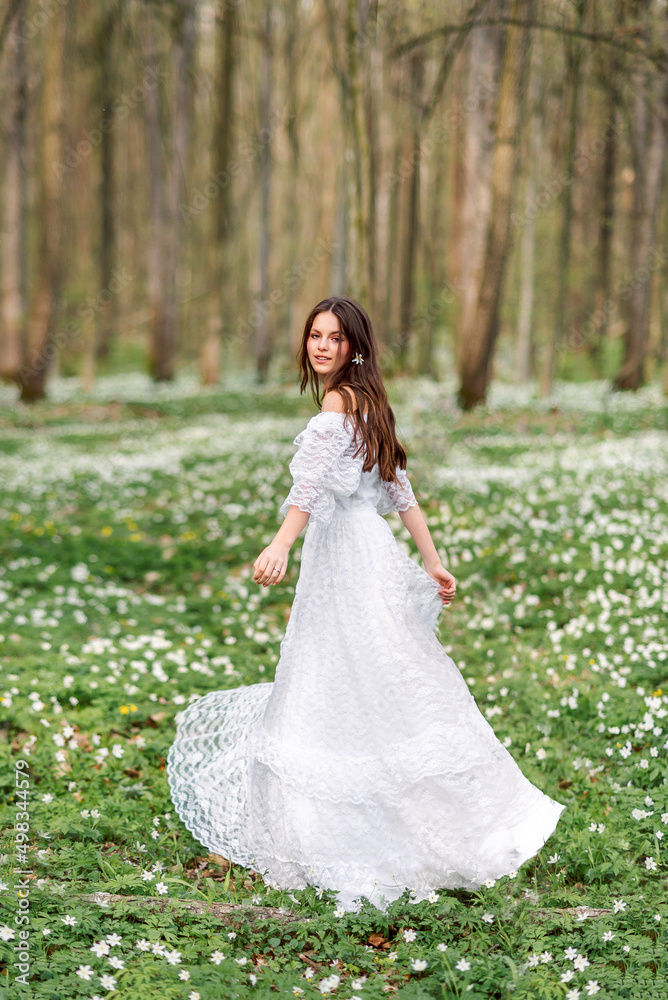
(182, 180)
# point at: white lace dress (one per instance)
(366, 766)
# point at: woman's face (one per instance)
(328, 347)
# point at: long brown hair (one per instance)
(378, 434)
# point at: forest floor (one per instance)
(129, 523)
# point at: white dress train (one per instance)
(365, 766)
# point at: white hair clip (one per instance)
(358, 359)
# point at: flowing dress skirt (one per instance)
(366, 766)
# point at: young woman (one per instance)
(366, 766)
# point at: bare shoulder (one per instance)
(333, 400)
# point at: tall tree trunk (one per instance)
(220, 308)
(564, 251)
(168, 159)
(525, 339)
(411, 226)
(223, 111)
(13, 246)
(457, 231)
(479, 339)
(433, 240)
(340, 266)
(263, 339)
(292, 207)
(41, 346)
(162, 336)
(472, 187)
(107, 60)
(372, 98)
(392, 84)
(357, 13)
(603, 274)
(183, 93)
(391, 260)
(649, 141)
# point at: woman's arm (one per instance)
(291, 527)
(276, 553)
(415, 521)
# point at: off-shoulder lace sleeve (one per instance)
(323, 466)
(396, 496)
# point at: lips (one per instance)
(321, 359)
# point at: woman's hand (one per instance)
(271, 564)
(439, 572)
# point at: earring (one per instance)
(358, 359)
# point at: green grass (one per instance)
(128, 529)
